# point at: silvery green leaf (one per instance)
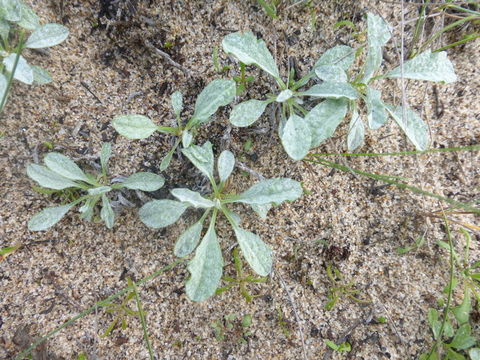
(427, 66)
(474, 353)
(62, 165)
(106, 213)
(134, 126)
(217, 93)
(284, 95)
(247, 112)
(324, 118)
(248, 50)
(99, 190)
(255, 251)
(48, 217)
(296, 137)
(29, 20)
(413, 126)
(105, 156)
(177, 102)
(225, 165)
(372, 63)
(356, 132)
(144, 181)
(3, 85)
(261, 209)
(275, 190)
(340, 55)
(187, 242)
(379, 32)
(332, 90)
(201, 157)
(40, 75)
(232, 217)
(161, 213)
(23, 71)
(206, 268)
(187, 138)
(331, 73)
(192, 198)
(376, 113)
(47, 35)
(166, 160)
(4, 29)
(88, 208)
(11, 10)
(49, 179)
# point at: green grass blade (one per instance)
(141, 314)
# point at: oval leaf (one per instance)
(28, 19)
(144, 181)
(201, 157)
(134, 126)
(332, 90)
(62, 165)
(177, 103)
(324, 118)
(284, 95)
(189, 239)
(106, 213)
(23, 71)
(376, 113)
(192, 198)
(296, 137)
(248, 50)
(340, 55)
(49, 179)
(206, 268)
(40, 75)
(48, 217)
(275, 190)
(217, 93)
(11, 10)
(255, 251)
(356, 132)
(332, 73)
(46, 36)
(161, 213)
(225, 165)
(247, 112)
(187, 138)
(413, 126)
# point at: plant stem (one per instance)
(19, 49)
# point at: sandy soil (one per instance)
(346, 221)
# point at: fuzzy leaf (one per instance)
(376, 113)
(261, 209)
(427, 66)
(144, 181)
(165, 163)
(248, 50)
(99, 190)
(413, 126)
(4, 29)
(462, 311)
(225, 164)
(247, 112)
(48, 217)
(340, 55)
(206, 268)
(46, 36)
(331, 73)
(29, 20)
(189, 239)
(324, 118)
(255, 251)
(177, 102)
(356, 132)
(217, 93)
(192, 198)
(134, 126)
(49, 179)
(11, 10)
(332, 90)
(3, 85)
(284, 95)
(372, 63)
(40, 75)
(161, 213)
(201, 157)
(462, 339)
(275, 190)
(65, 167)
(106, 213)
(105, 156)
(296, 137)
(379, 32)
(187, 138)
(23, 71)
(474, 353)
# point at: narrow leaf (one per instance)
(161, 213)
(192, 198)
(217, 93)
(144, 181)
(48, 217)
(275, 190)
(187, 242)
(379, 32)
(46, 36)
(105, 156)
(106, 213)
(49, 179)
(225, 165)
(99, 190)
(296, 137)
(62, 165)
(340, 55)
(201, 157)
(3, 85)
(206, 268)
(255, 251)
(356, 132)
(331, 90)
(167, 159)
(413, 126)
(248, 50)
(23, 71)
(134, 126)
(324, 118)
(187, 138)
(177, 102)
(247, 112)
(376, 112)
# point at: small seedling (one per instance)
(342, 348)
(419, 241)
(270, 7)
(216, 94)
(242, 80)
(206, 267)
(61, 175)
(283, 323)
(6, 251)
(340, 289)
(16, 19)
(232, 327)
(240, 280)
(301, 130)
